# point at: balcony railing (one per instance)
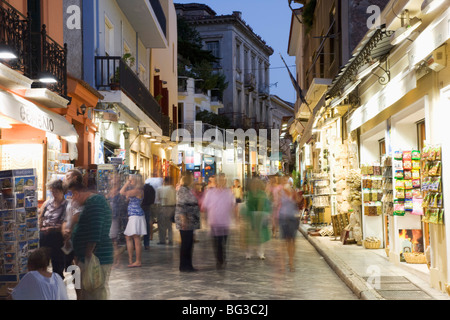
(54, 62)
(250, 82)
(112, 73)
(36, 53)
(15, 33)
(166, 126)
(157, 8)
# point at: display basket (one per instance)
(415, 257)
(372, 244)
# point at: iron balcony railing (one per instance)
(36, 52)
(112, 73)
(15, 34)
(54, 62)
(167, 126)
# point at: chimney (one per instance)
(237, 14)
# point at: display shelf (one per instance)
(19, 229)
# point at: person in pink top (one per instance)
(219, 203)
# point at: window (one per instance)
(109, 37)
(238, 56)
(214, 47)
(142, 73)
(332, 34)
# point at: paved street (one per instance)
(270, 279)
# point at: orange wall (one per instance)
(52, 16)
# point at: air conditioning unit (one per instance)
(437, 60)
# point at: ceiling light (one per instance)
(46, 77)
(405, 31)
(430, 5)
(367, 69)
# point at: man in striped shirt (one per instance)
(91, 236)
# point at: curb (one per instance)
(356, 283)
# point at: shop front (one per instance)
(402, 146)
(33, 137)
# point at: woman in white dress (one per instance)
(136, 227)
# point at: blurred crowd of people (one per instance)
(80, 227)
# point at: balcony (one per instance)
(167, 126)
(147, 19)
(264, 92)
(250, 82)
(112, 73)
(36, 53)
(15, 33)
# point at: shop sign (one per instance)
(26, 112)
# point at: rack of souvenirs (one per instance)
(433, 206)
(407, 183)
(321, 188)
(372, 192)
(19, 229)
(387, 186)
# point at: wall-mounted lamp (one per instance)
(407, 28)
(83, 110)
(157, 70)
(126, 135)
(164, 82)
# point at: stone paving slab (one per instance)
(357, 266)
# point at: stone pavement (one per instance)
(242, 279)
(370, 274)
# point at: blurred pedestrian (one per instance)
(73, 211)
(91, 237)
(51, 218)
(275, 192)
(187, 219)
(219, 204)
(257, 214)
(147, 206)
(237, 191)
(39, 283)
(118, 208)
(289, 220)
(136, 226)
(166, 197)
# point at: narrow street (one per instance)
(254, 279)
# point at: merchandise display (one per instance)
(388, 188)
(372, 191)
(407, 183)
(432, 203)
(19, 229)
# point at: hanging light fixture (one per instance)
(430, 5)
(406, 29)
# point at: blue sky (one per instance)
(270, 19)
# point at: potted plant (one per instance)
(115, 79)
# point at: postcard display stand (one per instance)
(19, 230)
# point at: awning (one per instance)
(22, 110)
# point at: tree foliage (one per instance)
(213, 119)
(195, 62)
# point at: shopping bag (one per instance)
(92, 278)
